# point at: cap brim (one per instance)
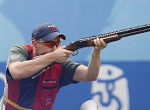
(52, 36)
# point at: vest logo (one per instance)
(110, 91)
(52, 27)
(50, 82)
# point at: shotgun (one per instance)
(107, 37)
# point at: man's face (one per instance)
(44, 47)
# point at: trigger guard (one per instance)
(75, 53)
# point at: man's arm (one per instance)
(90, 73)
(24, 69)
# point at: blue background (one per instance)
(78, 19)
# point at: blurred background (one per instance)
(124, 80)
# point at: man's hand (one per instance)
(61, 54)
(90, 73)
(99, 44)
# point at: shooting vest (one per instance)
(38, 93)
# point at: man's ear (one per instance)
(34, 43)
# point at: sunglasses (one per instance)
(50, 44)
